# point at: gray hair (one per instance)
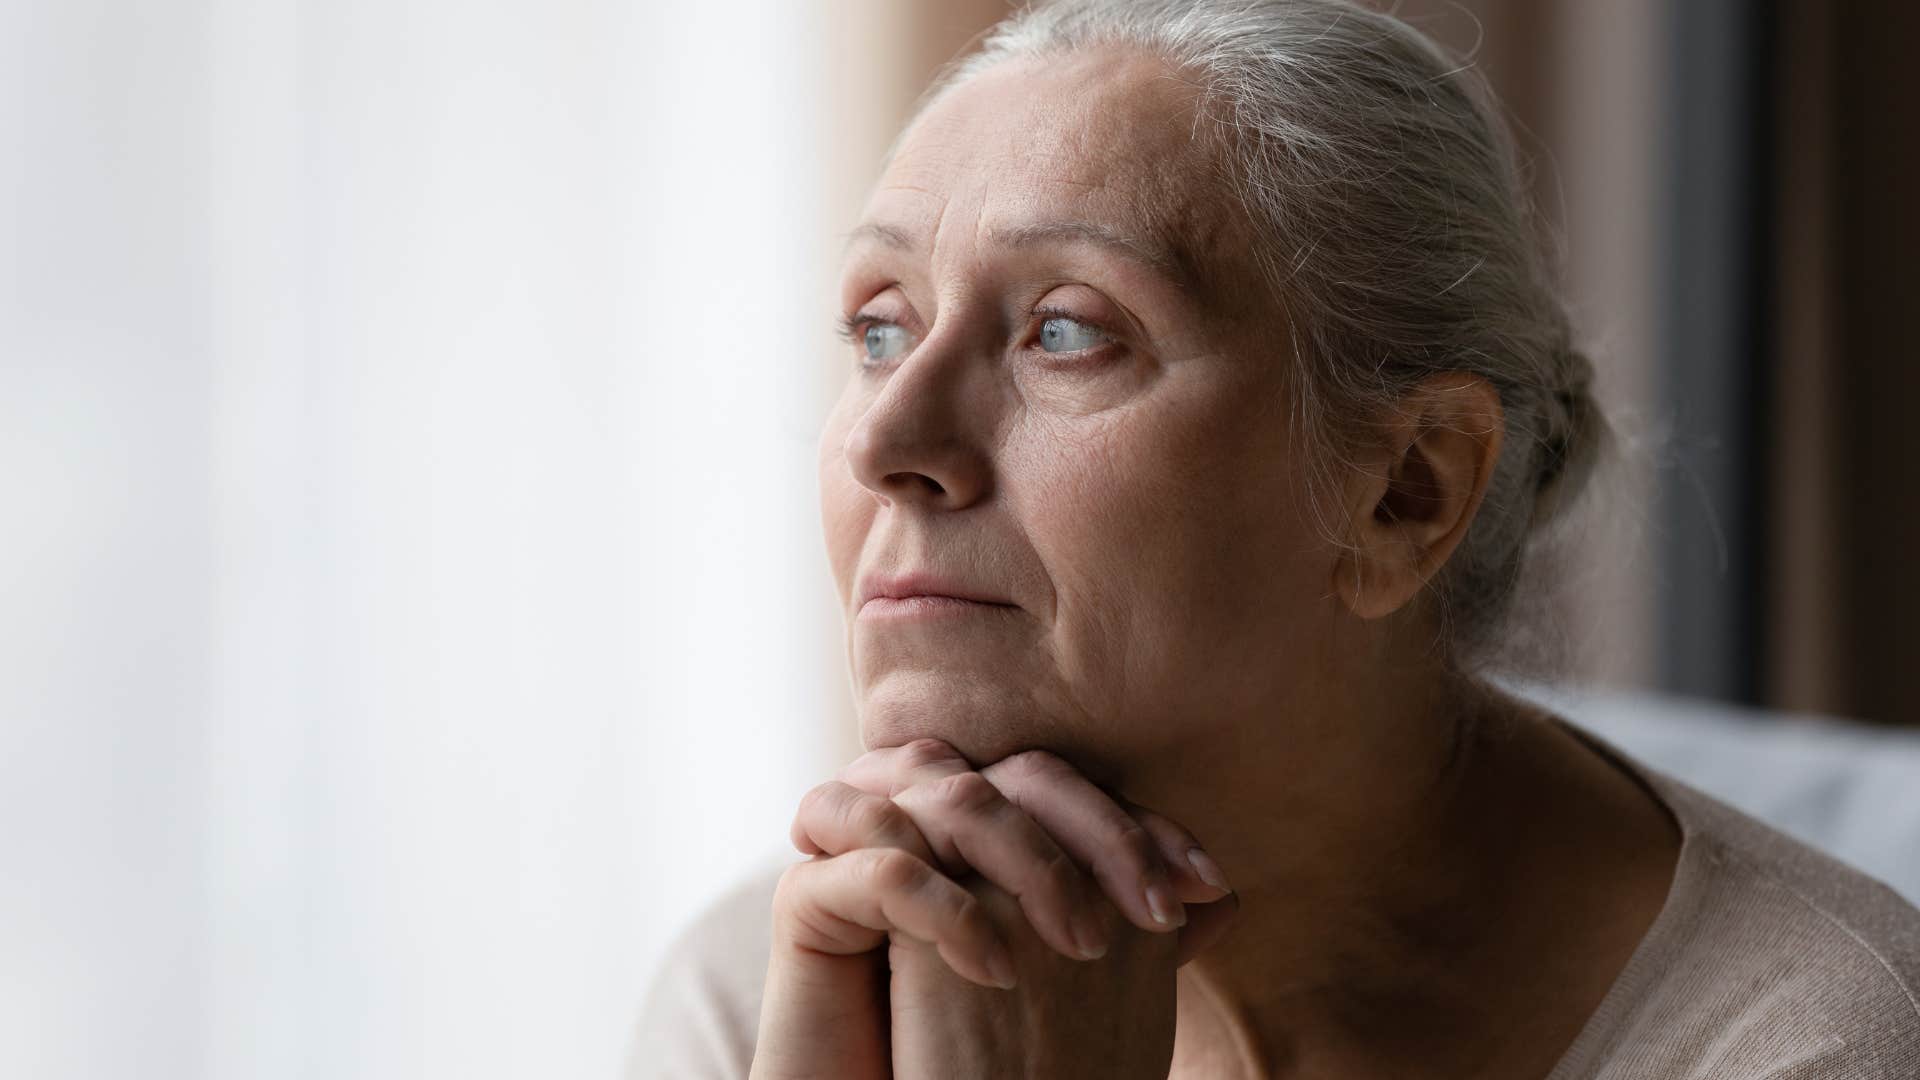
(1395, 230)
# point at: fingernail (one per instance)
(1088, 937)
(1163, 907)
(1208, 870)
(1000, 966)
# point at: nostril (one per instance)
(932, 486)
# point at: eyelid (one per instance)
(876, 306)
(1091, 307)
(1046, 312)
(852, 325)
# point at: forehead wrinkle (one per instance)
(1158, 256)
(1136, 201)
(1167, 258)
(899, 237)
(891, 236)
(1163, 251)
(983, 200)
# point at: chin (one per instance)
(975, 715)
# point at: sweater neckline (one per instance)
(1652, 957)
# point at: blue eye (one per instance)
(884, 341)
(1061, 334)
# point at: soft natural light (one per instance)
(419, 470)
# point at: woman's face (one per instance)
(1067, 397)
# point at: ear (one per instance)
(1409, 503)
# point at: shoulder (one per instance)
(700, 1018)
(1780, 960)
(1847, 942)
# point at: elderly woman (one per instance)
(1208, 393)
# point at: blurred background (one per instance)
(413, 606)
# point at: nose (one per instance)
(922, 437)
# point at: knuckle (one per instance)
(863, 762)
(964, 792)
(1135, 843)
(1037, 765)
(922, 752)
(893, 870)
(817, 799)
(876, 819)
(1028, 774)
(790, 890)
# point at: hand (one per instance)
(889, 838)
(1112, 1018)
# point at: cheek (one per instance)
(1172, 533)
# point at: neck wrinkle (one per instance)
(1387, 885)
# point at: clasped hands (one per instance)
(1005, 921)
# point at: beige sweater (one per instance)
(1769, 959)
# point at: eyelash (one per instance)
(853, 328)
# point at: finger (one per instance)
(1206, 925)
(1094, 829)
(844, 905)
(1197, 879)
(836, 817)
(971, 827)
(891, 769)
(966, 820)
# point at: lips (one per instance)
(925, 583)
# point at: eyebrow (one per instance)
(1166, 260)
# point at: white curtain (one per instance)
(413, 603)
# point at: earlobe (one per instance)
(1411, 505)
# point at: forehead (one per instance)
(1110, 140)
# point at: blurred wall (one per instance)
(1843, 363)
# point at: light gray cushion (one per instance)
(1849, 789)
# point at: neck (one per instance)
(1358, 835)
